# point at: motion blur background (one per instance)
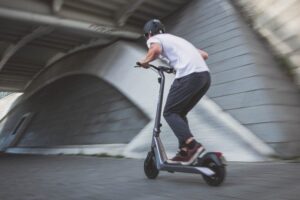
(68, 84)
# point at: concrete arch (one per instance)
(73, 110)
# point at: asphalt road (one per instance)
(85, 177)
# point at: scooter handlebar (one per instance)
(159, 68)
(138, 64)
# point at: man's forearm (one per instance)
(151, 55)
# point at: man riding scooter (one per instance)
(191, 82)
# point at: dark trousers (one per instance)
(184, 94)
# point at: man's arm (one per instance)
(152, 54)
(204, 54)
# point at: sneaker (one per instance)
(181, 156)
(187, 157)
(193, 153)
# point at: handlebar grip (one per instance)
(138, 64)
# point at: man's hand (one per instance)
(203, 54)
(144, 64)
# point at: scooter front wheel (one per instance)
(150, 168)
(218, 177)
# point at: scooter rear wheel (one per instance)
(150, 168)
(218, 177)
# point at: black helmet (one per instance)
(153, 27)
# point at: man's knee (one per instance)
(166, 114)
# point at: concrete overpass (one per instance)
(73, 62)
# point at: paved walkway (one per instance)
(85, 178)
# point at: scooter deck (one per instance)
(161, 162)
(186, 169)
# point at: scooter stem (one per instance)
(157, 125)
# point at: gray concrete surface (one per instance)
(247, 82)
(75, 110)
(6, 102)
(69, 108)
(79, 177)
(276, 23)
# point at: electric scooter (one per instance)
(211, 165)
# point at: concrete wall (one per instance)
(69, 107)
(278, 22)
(6, 102)
(114, 64)
(246, 82)
(77, 110)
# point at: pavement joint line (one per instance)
(98, 149)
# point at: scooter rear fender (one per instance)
(220, 161)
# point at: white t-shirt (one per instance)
(180, 54)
